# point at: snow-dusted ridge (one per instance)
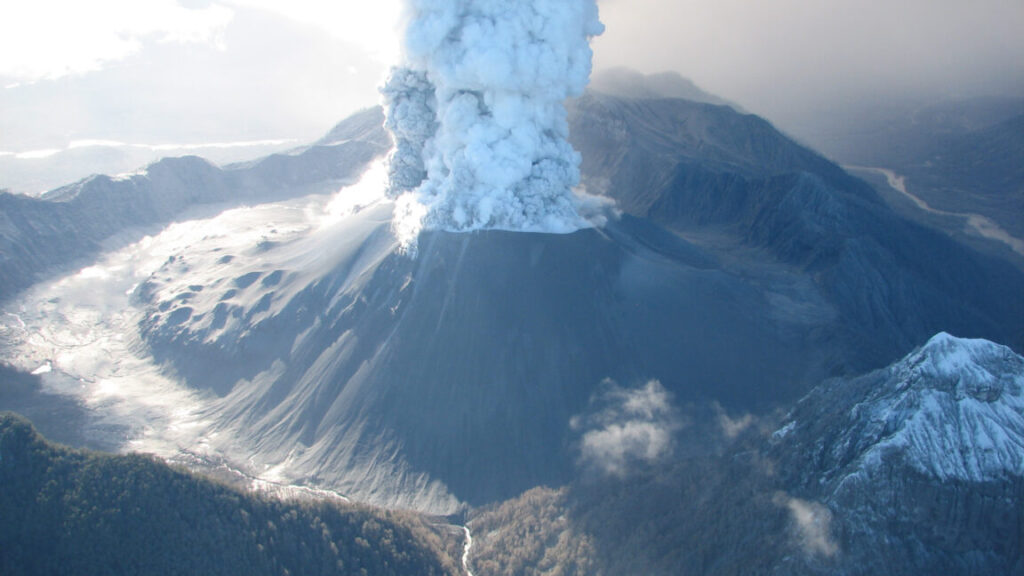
(951, 410)
(958, 411)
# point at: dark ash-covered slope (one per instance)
(383, 374)
(729, 179)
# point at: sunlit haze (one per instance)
(186, 72)
(194, 72)
(48, 39)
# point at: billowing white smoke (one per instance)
(477, 113)
(626, 428)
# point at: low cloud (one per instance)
(813, 525)
(627, 428)
(730, 426)
(755, 53)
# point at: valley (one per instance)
(79, 333)
(973, 223)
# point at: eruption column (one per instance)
(477, 113)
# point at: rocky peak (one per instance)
(963, 368)
(951, 410)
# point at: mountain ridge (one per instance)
(797, 207)
(96, 211)
(952, 410)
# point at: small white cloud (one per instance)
(813, 523)
(730, 426)
(627, 428)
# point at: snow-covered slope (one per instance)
(951, 410)
(920, 465)
(957, 411)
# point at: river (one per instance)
(976, 223)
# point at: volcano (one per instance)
(467, 362)
(739, 268)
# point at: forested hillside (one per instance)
(75, 512)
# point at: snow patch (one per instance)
(44, 369)
(784, 431)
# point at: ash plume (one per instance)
(477, 113)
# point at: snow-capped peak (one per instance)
(953, 409)
(976, 368)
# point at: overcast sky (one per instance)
(190, 71)
(783, 57)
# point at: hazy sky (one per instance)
(784, 57)
(185, 71)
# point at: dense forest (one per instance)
(72, 512)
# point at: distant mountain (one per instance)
(979, 171)
(913, 469)
(627, 83)
(68, 225)
(33, 176)
(36, 172)
(902, 133)
(73, 512)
